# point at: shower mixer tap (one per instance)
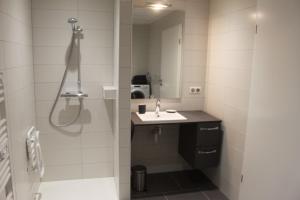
(71, 94)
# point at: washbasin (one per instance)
(163, 116)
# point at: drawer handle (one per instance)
(207, 152)
(209, 129)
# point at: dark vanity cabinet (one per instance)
(200, 137)
(200, 144)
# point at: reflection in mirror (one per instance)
(157, 48)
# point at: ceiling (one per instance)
(145, 15)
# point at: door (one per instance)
(171, 62)
(272, 156)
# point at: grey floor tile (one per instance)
(153, 198)
(188, 196)
(192, 180)
(172, 183)
(157, 185)
(215, 195)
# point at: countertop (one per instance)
(192, 117)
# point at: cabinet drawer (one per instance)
(208, 134)
(207, 128)
(206, 157)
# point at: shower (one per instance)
(76, 32)
(73, 22)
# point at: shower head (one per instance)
(73, 21)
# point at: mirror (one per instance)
(156, 50)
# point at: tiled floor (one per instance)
(205, 195)
(171, 183)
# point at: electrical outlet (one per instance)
(196, 90)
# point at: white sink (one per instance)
(163, 116)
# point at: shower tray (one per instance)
(82, 189)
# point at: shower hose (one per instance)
(60, 89)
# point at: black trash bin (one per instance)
(139, 178)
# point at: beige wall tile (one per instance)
(96, 20)
(122, 106)
(62, 172)
(84, 148)
(96, 155)
(52, 18)
(16, 65)
(96, 5)
(98, 170)
(230, 54)
(54, 4)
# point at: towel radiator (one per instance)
(6, 187)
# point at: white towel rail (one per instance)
(3, 141)
(5, 176)
(5, 166)
(2, 122)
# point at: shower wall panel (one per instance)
(16, 64)
(85, 149)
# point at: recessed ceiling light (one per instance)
(158, 6)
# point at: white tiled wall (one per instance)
(230, 52)
(85, 149)
(116, 102)
(123, 145)
(194, 70)
(16, 63)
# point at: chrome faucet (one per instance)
(157, 108)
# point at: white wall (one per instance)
(230, 52)
(83, 150)
(193, 74)
(122, 144)
(271, 166)
(16, 63)
(116, 102)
